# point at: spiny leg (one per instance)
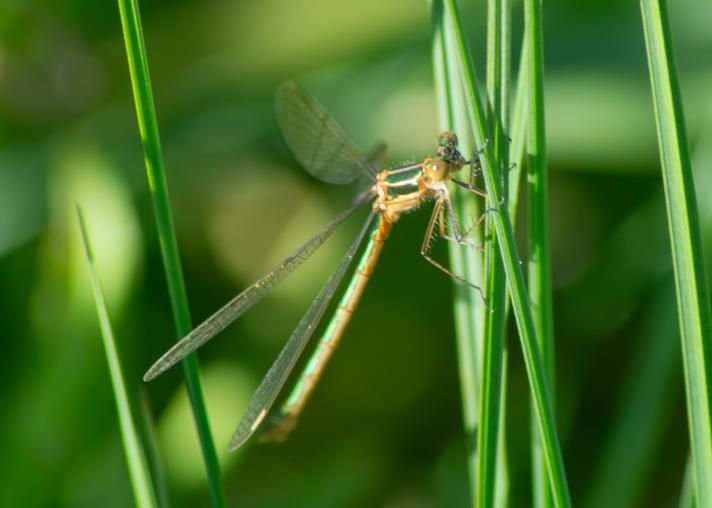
(475, 164)
(460, 237)
(468, 187)
(441, 223)
(425, 249)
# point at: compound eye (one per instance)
(447, 138)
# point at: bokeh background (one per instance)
(384, 427)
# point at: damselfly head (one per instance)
(448, 151)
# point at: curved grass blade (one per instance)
(693, 302)
(250, 296)
(315, 139)
(269, 388)
(515, 278)
(141, 483)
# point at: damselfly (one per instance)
(320, 145)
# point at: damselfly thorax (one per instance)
(403, 189)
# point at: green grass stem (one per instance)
(544, 414)
(690, 284)
(153, 158)
(139, 474)
(518, 131)
(539, 250)
(462, 261)
(489, 445)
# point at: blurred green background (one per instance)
(384, 426)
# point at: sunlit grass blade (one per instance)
(515, 278)
(139, 473)
(539, 250)
(489, 445)
(462, 261)
(153, 158)
(691, 290)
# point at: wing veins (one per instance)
(247, 298)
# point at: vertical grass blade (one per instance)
(539, 250)
(515, 278)
(690, 284)
(501, 498)
(518, 130)
(139, 474)
(153, 158)
(488, 438)
(462, 261)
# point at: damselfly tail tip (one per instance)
(278, 428)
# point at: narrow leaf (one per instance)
(153, 159)
(690, 284)
(139, 474)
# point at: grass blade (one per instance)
(490, 446)
(515, 278)
(539, 249)
(690, 285)
(518, 131)
(139, 474)
(148, 127)
(467, 305)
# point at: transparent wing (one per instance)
(315, 139)
(378, 156)
(269, 388)
(245, 300)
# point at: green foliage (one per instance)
(385, 427)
